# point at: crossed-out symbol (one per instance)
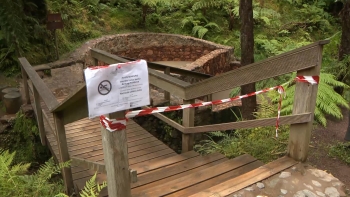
(104, 87)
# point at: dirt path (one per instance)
(321, 139)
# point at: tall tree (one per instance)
(344, 48)
(247, 54)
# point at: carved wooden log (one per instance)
(12, 102)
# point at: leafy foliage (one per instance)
(328, 101)
(24, 139)
(200, 25)
(91, 188)
(258, 142)
(15, 180)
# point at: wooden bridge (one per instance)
(135, 163)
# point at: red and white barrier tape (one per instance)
(115, 125)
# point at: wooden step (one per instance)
(166, 187)
(249, 178)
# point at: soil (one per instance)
(321, 140)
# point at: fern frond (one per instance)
(91, 188)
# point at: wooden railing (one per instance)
(305, 61)
(42, 92)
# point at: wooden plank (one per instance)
(25, 85)
(194, 178)
(135, 157)
(304, 101)
(240, 182)
(45, 92)
(291, 119)
(166, 93)
(301, 58)
(187, 121)
(179, 167)
(173, 85)
(98, 149)
(115, 151)
(176, 176)
(219, 179)
(169, 122)
(63, 151)
(161, 162)
(151, 155)
(39, 117)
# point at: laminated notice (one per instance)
(117, 87)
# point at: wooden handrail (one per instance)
(292, 119)
(298, 59)
(44, 92)
(111, 59)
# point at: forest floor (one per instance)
(321, 139)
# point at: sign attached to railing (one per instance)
(117, 87)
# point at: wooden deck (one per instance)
(160, 171)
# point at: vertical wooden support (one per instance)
(95, 62)
(25, 85)
(167, 94)
(304, 101)
(115, 150)
(188, 121)
(63, 150)
(39, 116)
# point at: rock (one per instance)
(249, 189)
(285, 175)
(8, 118)
(316, 183)
(308, 186)
(336, 184)
(309, 193)
(332, 192)
(260, 185)
(283, 191)
(328, 178)
(320, 194)
(318, 173)
(273, 182)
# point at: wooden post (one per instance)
(115, 150)
(63, 150)
(39, 116)
(25, 85)
(167, 94)
(188, 121)
(95, 62)
(304, 101)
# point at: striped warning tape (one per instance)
(114, 125)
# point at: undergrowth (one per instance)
(16, 181)
(341, 150)
(24, 138)
(259, 142)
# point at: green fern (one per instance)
(328, 101)
(92, 189)
(15, 180)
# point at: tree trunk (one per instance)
(344, 48)
(247, 55)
